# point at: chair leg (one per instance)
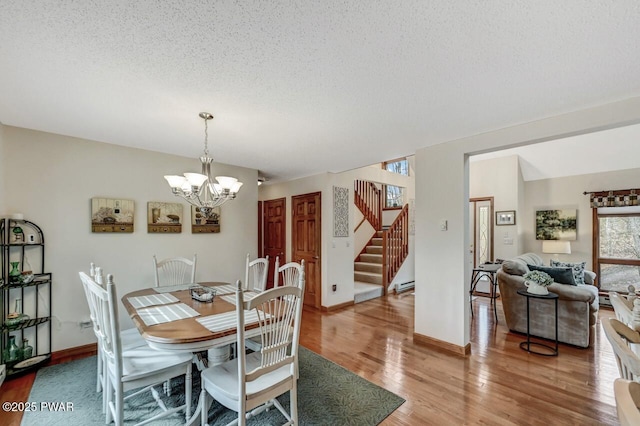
(293, 402)
(205, 402)
(119, 412)
(187, 392)
(99, 374)
(107, 399)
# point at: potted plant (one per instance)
(537, 282)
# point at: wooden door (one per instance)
(274, 228)
(305, 243)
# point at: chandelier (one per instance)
(199, 189)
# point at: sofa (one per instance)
(577, 304)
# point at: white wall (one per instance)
(52, 179)
(499, 178)
(3, 179)
(567, 193)
(441, 310)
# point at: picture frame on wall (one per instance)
(506, 217)
(112, 215)
(202, 225)
(164, 218)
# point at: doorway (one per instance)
(305, 243)
(275, 234)
(481, 226)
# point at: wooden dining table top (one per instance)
(185, 333)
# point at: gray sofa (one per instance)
(577, 305)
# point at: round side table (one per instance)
(529, 345)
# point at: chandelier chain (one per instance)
(206, 138)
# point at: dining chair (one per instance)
(138, 368)
(621, 337)
(174, 270)
(250, 383)
(627, 394)
(291, 273)
(130, 338)
(622, 307)
(256, 273)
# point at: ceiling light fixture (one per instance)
(199, 189)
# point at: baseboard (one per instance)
(421, 339)
(75, 352)
(336, 307)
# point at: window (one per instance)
(394, 197)
(617, 248)
(400, 166)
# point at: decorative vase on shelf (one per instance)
(27, 349)
(15, 274)
(16, 317)
(12, 351)
(18, 235)
(535, 288)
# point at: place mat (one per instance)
(170, 288)
(225, 289)
(247, 295)
(166, 313)
(151, 300)
(227, 321)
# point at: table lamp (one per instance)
(556, 247)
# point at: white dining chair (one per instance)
(621, 337)
(291, 274)
(129, 338)
(174, 271)
(622, 307)
(627, 394)
(256, 274)
(250, 383)
(139, 368)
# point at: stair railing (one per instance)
(395, 246)
(368, 198)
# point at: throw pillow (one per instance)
(559, 275)
(578, 269)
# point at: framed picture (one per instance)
(112, 215)
(556, 224)
(164, 218)
(506, 217)
(202, 225)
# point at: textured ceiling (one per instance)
(302, 87)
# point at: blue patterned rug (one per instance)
(327, 395)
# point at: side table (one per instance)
(488, 270)
(527, 346)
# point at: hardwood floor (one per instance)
(498, 384)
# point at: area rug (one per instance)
(328, 394)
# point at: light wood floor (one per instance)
(498, 384)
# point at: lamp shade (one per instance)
(556, 247)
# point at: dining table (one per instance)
(169, 319)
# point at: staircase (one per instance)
(368, 269)
(380, 260)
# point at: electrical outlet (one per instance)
(85, 324)
(334, 287)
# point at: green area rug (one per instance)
(327, 395)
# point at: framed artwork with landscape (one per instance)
(557, 224)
